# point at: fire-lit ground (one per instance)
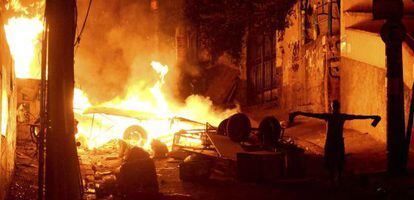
(363, 179)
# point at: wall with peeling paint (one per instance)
(308, 80)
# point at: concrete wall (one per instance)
(363, 91)
(8, 115)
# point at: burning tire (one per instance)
(137, 134)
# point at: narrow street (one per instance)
(364, 177)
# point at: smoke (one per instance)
(121, 39)
(202, 109)
(119, 42)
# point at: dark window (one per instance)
(263, 75)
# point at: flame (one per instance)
(23, 34)
(81, 101)
(161, 103)
(161, 124)
(17, 6)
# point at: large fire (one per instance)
(161, 113)
(157, 112)
(23, 33)
(23, 36)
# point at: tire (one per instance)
(136, 133)
(221, 129)
(270, 131)
(239, 127)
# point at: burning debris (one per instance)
(160, 149)
(147, 94)
(143, 120)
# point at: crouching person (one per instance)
(137, 177)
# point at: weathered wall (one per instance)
(367, 95)
(303, 75)
(8, 115)
(303, 54)
(363, 95)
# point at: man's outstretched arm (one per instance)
(376, 118)
(313, 115)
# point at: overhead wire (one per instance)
(79, 37)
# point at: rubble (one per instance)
(196, 167)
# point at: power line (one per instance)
(78, 38)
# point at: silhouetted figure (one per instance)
(334, 145)
(137, 178)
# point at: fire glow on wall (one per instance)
(4, 103)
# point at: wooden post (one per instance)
(43, 119)
(393, 36)
(62, 164)
(393, 33)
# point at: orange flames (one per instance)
(162, 112)
(24, 33)
(23, 36)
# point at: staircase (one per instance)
(361, 40)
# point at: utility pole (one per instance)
(393, 34)
(43, 118)
(62, 164)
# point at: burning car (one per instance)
(99, 125)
